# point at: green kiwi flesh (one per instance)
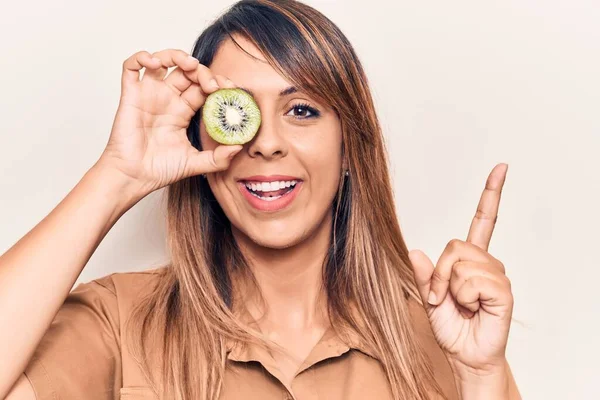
(231, 116)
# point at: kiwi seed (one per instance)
(231, 116)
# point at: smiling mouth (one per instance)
(270, 191)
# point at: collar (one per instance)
(332, 344)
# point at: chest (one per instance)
(351, 376)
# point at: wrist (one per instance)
(491, 383)
(114, 185)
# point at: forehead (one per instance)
(244, 70)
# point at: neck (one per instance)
(289, 289)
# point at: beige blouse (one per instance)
(84, 355)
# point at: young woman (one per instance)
(308, 296)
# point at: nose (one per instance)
(268, 142)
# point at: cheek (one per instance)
(323, 152)
(325, 180)
(322, 158)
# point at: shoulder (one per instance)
(80, 354)
(122, 290)
(125, 282)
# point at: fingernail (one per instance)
(229, 82)
(192, 58)
(432, 298)
(213, 83)
(233, 153)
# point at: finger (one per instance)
(456, 250)
(422, 269)
(488, 294)
(195, 95)
(207, 161)
(183, 62)
(177, 58)
(482, 226)
(156, 73)
(178, 81)
(133, 65)
(190, 70)
(462, 271)
(224, 82)
(204, 77)
(173, 58)
(465, 312)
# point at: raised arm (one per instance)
(148, 149)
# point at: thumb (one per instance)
(423, 271)
(206, 161)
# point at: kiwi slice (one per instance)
(231, 116)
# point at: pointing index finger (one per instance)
(482, 226)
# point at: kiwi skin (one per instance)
(214, 117)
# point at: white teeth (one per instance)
(269, 186)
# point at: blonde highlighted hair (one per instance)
(187, 321)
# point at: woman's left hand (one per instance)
(468, 297)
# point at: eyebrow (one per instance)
(285, 92)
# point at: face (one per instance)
(298, 140)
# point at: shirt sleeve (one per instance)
(79, 355)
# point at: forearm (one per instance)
(513, 390)
(492, 385)
(38, 272)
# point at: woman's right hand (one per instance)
(148, 143)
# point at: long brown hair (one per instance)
(191, 308)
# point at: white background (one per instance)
(459, 88)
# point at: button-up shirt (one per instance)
(84, 355)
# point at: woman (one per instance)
(310, 296)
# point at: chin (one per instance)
(276, 235)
